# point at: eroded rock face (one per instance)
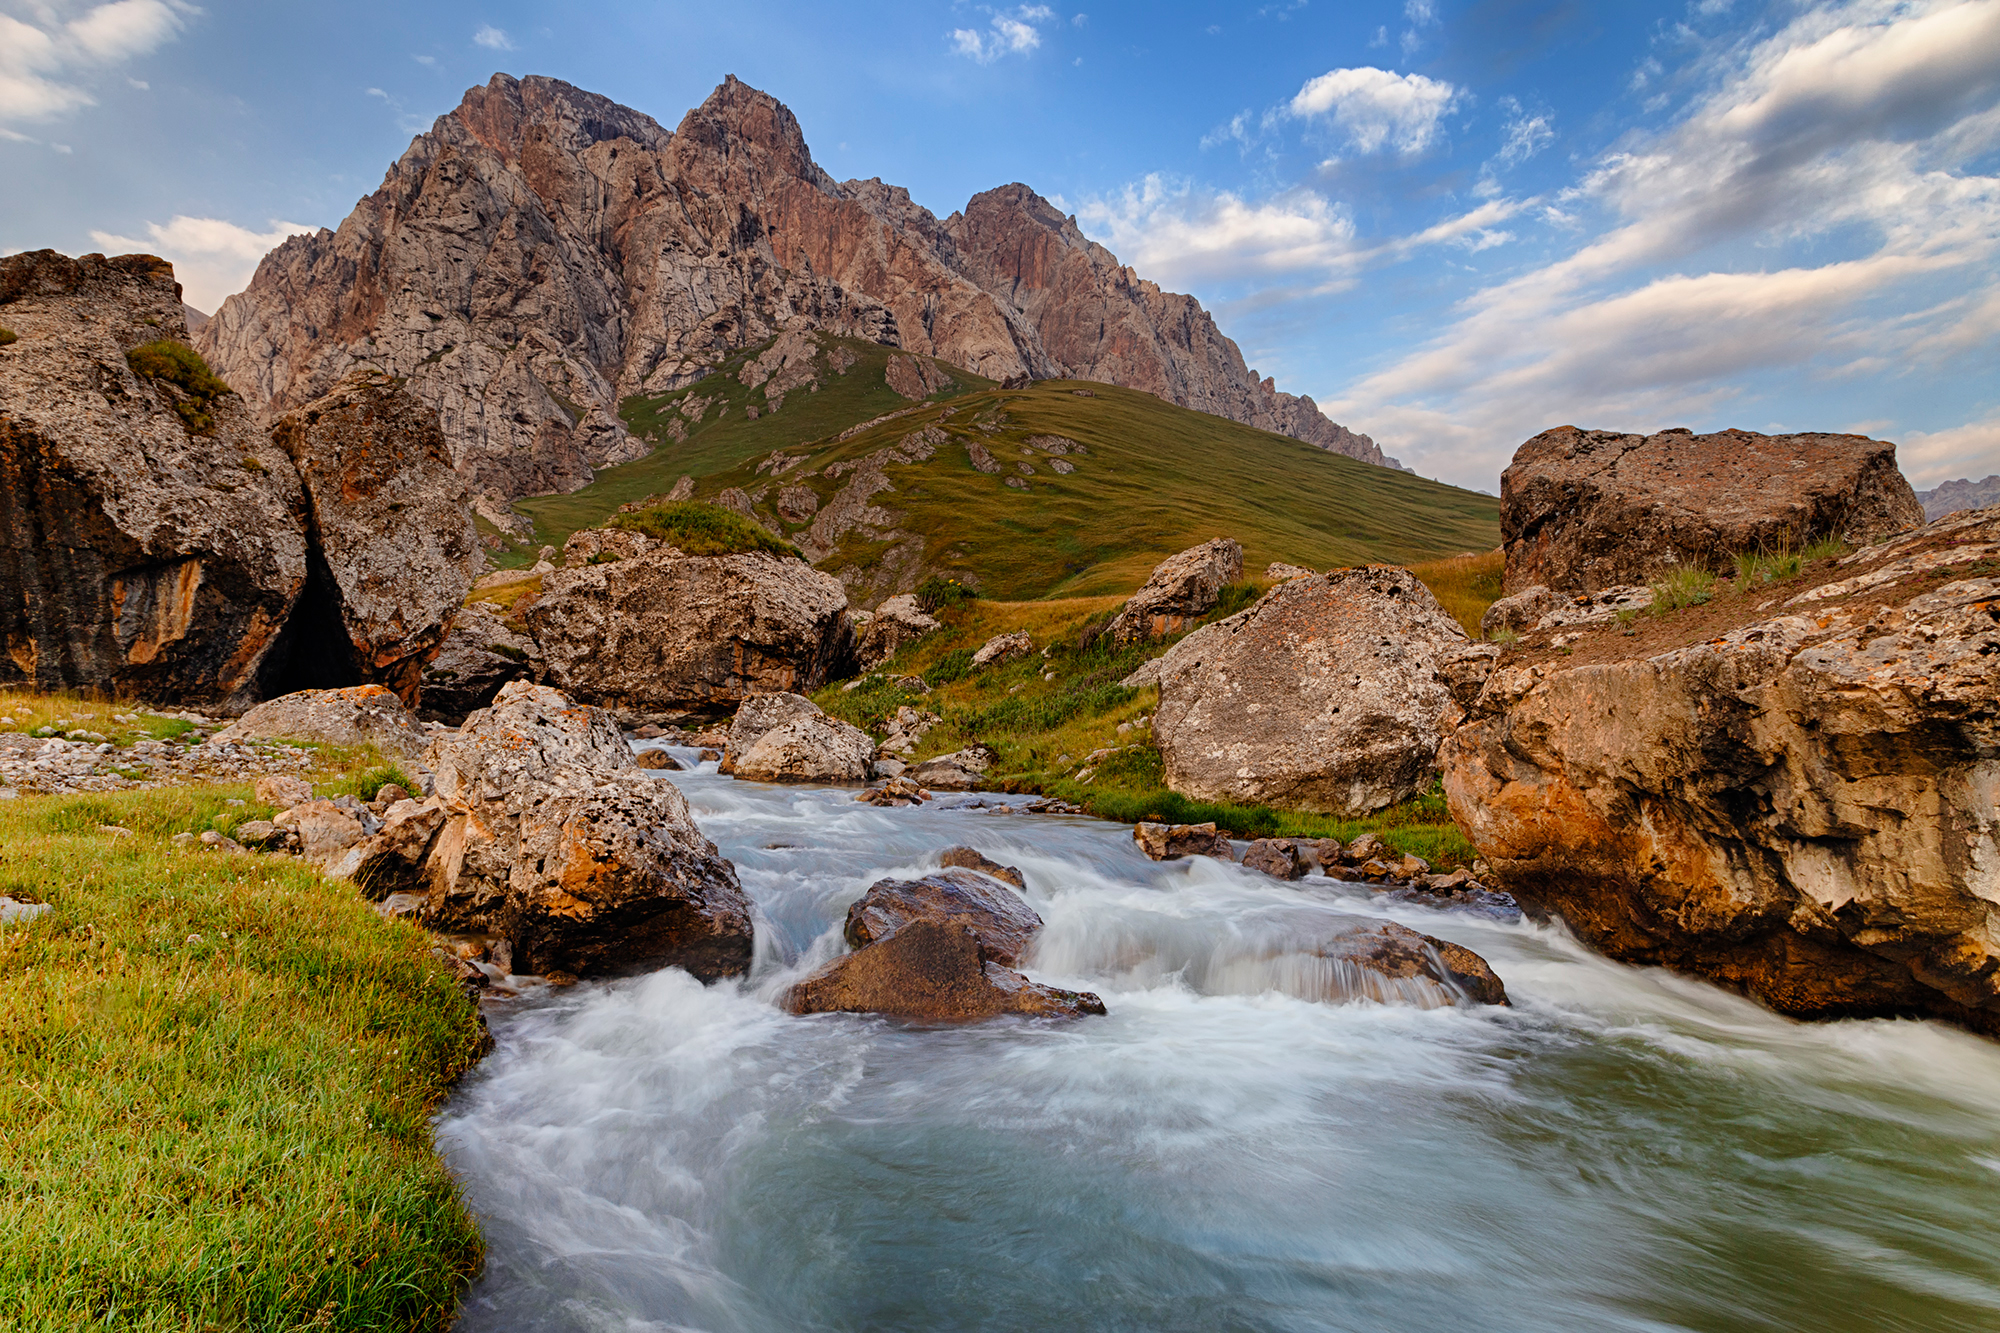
(1181, 590)
(480, 654)
(656, 630)
(136, 555)
(1803, 807)
(1000, 917)
(1582, 510)
(541, 253)
(356, 715)
(1326, 695)
(391, 525)
(931, 971)
(554, 839)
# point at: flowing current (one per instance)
(1621, 1149)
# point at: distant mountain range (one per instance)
(543, 255)
(1952, 496)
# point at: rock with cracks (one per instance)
(556, 841)
(931, 971)
(1582, 510)
(1182, 589)
(656, 630)
(480, 655)
(1801, 806)
(1327, 695)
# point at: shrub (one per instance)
(703, 529)
(1689, 585)
(938, 593)
(952, 666)
(178, 364)
(8, 335)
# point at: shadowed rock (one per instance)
(1001, 918)
(933, 972)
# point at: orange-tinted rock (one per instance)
(1583, 510)
(1001, 918)
(969, 859)
(933, 972)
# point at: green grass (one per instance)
(1689, 585)
(178, 364)
(702, 529)
(1044, 729)
(216, 1077)
(1156, 479)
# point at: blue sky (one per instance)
(1453, 222)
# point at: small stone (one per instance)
(12, 910)
(114, 830)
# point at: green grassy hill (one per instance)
(1150, 479)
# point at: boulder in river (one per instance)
(999, 916)
(354, 716)
(1280, 858)
(1396, 954)
(1582, 510)
(814, 748)
(555, 840)
(647, 628)
(1327, 695)
(1796, 800)
(961, 770)
(1168, 842)
(1182, 589)
(969, 859)
(931, 971)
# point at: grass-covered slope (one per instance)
(1151, 479)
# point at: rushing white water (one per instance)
(1621, 1150)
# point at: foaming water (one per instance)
(1247, 1141)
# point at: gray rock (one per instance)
(896, 623)
(480, 654)
(1327, 695)
(13, 911)
(1003, 648)
(815, 748)
(1182, 589)
(961, 770)
(359, 715)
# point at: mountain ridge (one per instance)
(542, 254)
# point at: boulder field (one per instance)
(156, 542)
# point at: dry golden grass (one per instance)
(1465, 585)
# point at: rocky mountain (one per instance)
(1952, 496)
(543, 253)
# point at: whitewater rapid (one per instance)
(1622, 1149)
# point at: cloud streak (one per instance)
(45, 68)
(212, 258)
(1010, 32)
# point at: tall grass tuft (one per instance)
(178, 364)
(1687, 585)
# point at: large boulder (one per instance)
(1326, 695)
(396, 549)
(480, 654)
(1182, 589)
(1802, 806)
(977, 900)
(759, 714)
(355, 716)
(961, 770)
(815, 748)
(1582, 510)
(931, 971)
(150, 539)
(650, 629)
(897, 622)
(554, 839)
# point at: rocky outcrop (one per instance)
(931, 972)
(541, 252)
(1181, 590)
(389, 524)
(895, 624)
(1799, 804)
(997, 915)
(355, 716)
(479, 655)
(1539, 607)
(1582, 510)
(1326, 695)
(555, 840)
(654, 630)
(157, 543)
(140, 552)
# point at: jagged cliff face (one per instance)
(543, 252)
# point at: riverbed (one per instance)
(1621, 1149)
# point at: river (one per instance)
(1622, 1149)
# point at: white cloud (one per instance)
(1010, 32)
(1846, 141)
(429, 62)
(1523, 135)
(492, 38)
(1377, 109)
(45, 67)
(1179, 235)
(212, 258)
(1971, 451)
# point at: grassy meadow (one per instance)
(216, 1074)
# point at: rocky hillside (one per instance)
(885, 467)
(543, 254)
(1952, 496)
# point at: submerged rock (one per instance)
(1000, 917)
(932, 972)
(1327, 695)
(1582, 510)
(1801, 807)
(1181, 590)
